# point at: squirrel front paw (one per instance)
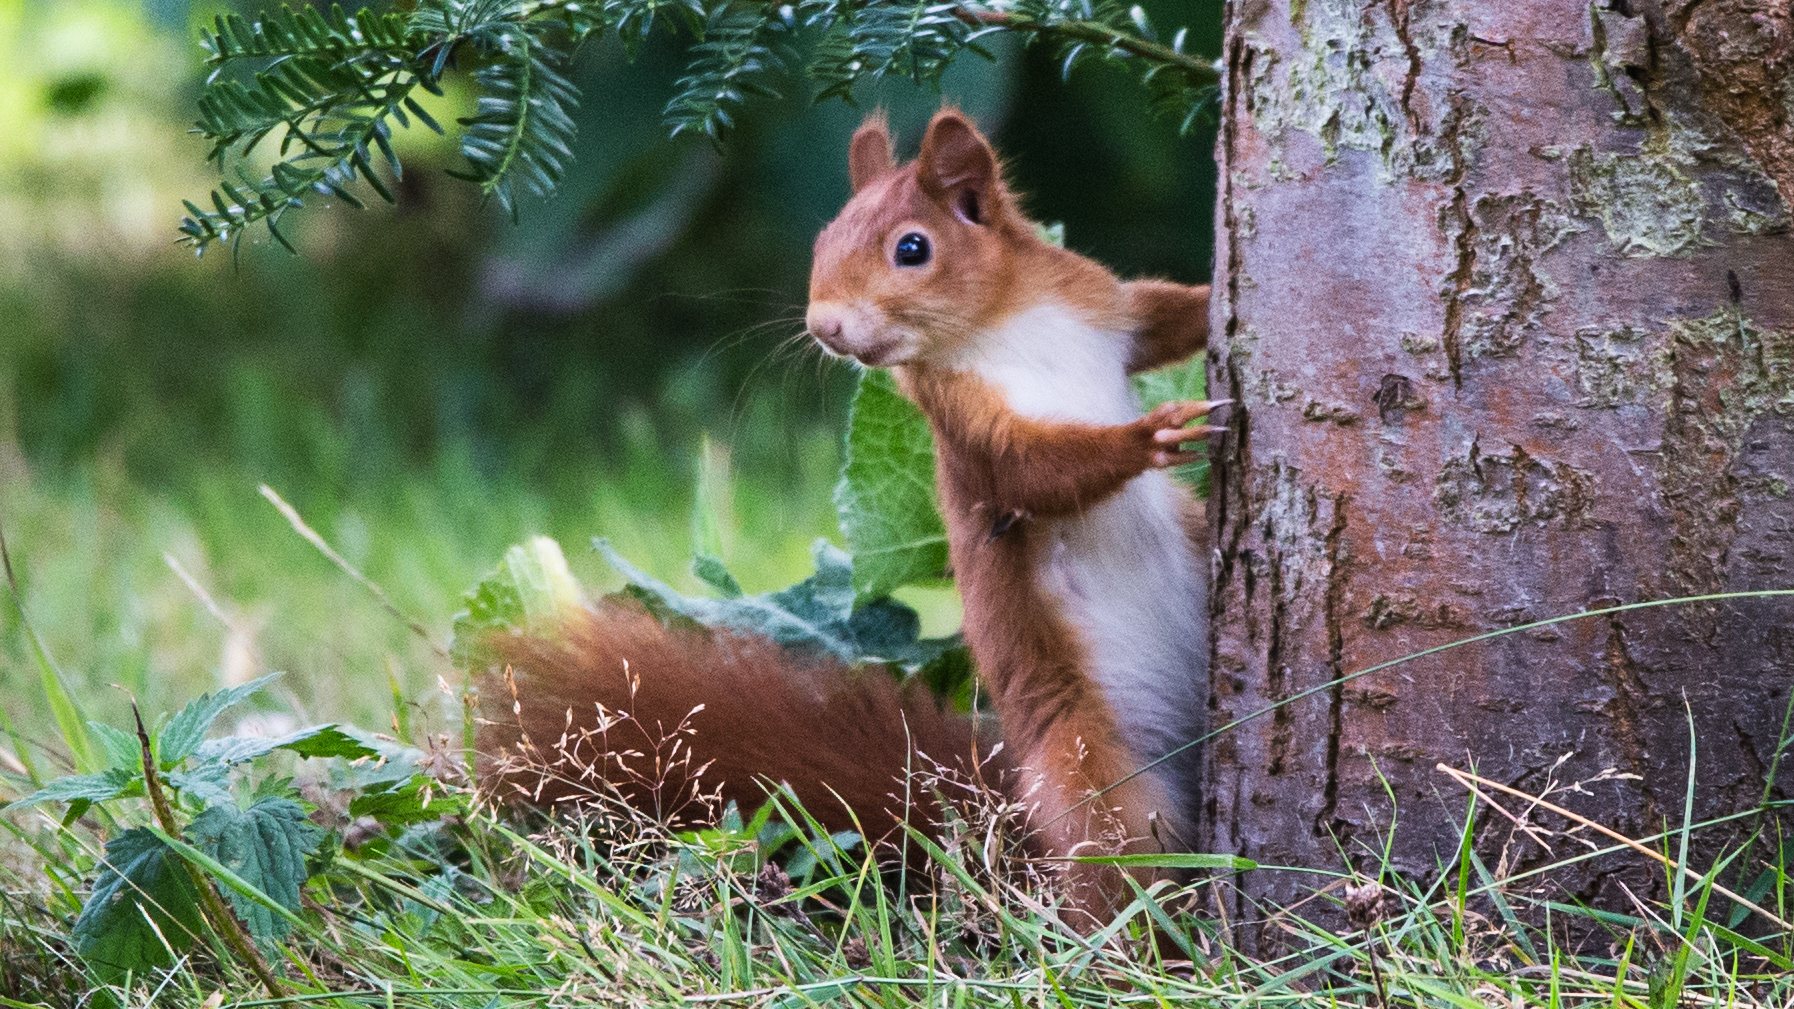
(1166, 423)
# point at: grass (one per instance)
(609, 906)
(93, 554)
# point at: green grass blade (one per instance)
(69, 719)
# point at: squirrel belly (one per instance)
(672, 719)
(1123, 572)
(1083, 585)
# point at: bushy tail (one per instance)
(673, 718)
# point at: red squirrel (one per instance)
(1081, 563)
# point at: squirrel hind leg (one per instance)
(1088, 800)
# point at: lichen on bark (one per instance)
(1357, 84)
(1499, 492)
(1506, 294)
(1730, 382)
(1646, 203)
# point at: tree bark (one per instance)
(1505, 292)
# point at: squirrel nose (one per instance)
(825, 327)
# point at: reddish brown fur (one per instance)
(756, 712)
(981, 272)
(1007, 463)
(1173, 321)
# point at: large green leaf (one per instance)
(818, 613)
(265, 846)
(188, 727)
(531, 589)
(886, 497)
(141, 881)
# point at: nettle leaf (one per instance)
(85, 788)
(266, 846)
(141, 881)
(1184, 380)
(209, 783)
(530, 590)
(886, 499)
(317, 741)
(187, 729)
(711, 571)
(818, 613)
(120, 748)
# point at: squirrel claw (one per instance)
(1166, 460)
(1179, 435)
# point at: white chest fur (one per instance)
(1123, 571)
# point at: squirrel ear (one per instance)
(958, 166)
(869, 153)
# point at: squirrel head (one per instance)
(928, 254)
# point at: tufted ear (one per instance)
(958, 167)
(869, 153)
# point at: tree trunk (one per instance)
(1506, 296)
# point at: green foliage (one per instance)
(331, 85)
(189, 725)
(524, 125)
(1183, 86)
(143, 906)
(266, 846)
(530, 589)
(142, 909)
(84, 788)
(917, 40)
(886, 497)
(740, 49)
(317, 741)
(817, 614)
(329, 88)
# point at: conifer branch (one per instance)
(328, 86)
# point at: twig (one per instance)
(1464, 777)
(228, 927)
(1097, 33)
(379, 594)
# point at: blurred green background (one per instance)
(430, 383)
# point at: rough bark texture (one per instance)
(1506, 292)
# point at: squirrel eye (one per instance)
(912, 250)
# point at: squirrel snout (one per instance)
(851, 329)
(825, 328)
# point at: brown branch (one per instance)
(223, 921)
